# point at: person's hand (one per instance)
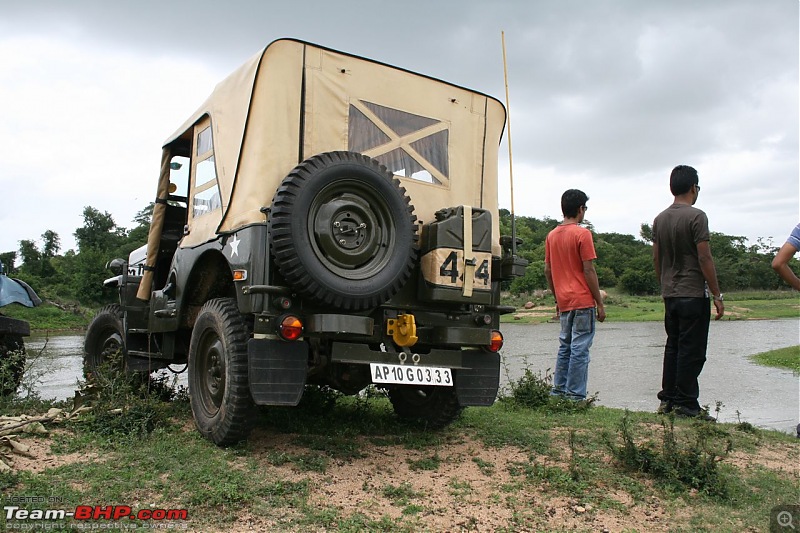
(720, 309)
(601, 313)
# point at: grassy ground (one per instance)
(788, 358)
(48, 317)
(352, 466)
(754, 305)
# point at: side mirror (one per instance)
(117, 265)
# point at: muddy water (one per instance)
(625, 370)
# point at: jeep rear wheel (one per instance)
(343, 231)
(218, 386)
(436, 407)
(104, 347)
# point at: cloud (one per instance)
(605, 96)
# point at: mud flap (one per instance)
(277, 371)
(478, 383)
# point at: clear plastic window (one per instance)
(423, 142)
(205, 202)
(204, 143)
(205, 172)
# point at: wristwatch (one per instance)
(720, 298)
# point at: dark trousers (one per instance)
(686, 321)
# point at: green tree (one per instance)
(99, 231)
(8, 259)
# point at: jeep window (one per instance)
(206, 196)
(410, 145)
(179, 175)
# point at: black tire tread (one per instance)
(283, 243)
(107, 312)
(438, 411)
(235, 424)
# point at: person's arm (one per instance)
(548, 273)
(656, 261)
(781, 265)
(594, 286)
(710, 274)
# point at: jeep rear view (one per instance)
(322, 219)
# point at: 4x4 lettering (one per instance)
(452, 261)
(483, 272)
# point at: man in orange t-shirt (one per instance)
(569, 267)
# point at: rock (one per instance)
(529, 305)
(578, 509)
(603, 294)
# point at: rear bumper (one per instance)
(477, 373)
(277, 370)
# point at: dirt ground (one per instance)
(472, 488)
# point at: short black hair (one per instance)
(682, 179)
(571, 201)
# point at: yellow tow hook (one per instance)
(403, 330)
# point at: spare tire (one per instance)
(343, 231)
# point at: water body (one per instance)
(625, 369)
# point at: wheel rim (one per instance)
(111, 346)
(211, 372)
(108, 358)
(351, 228)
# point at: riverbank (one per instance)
(352, 466)
(752, 305)
(530, 309)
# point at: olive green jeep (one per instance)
(322, 219)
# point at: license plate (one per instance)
(411, 375)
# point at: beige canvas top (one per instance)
(293, 100)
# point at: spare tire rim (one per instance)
(352, 229)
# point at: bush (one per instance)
(125, 406)
(532, 391)
(533, 279)
(691, 463)
(639, 282)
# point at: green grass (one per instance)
(620, 307)
(788, 358)
(48, 317)
(563, 454)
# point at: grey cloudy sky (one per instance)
(606, 96)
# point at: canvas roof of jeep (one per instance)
(293, 100)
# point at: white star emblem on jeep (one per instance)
(234, 246)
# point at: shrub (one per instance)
(689, 463)
(639, 282)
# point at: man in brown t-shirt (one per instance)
(686, 271)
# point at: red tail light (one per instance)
(496, 342)
(290, 328)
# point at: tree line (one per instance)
(626, 262)
(77, 276)
(623, 261)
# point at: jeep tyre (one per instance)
(343, 232)
(12, 363)
(104, 343)
(218, 386)
(436, 407)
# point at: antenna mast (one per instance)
(510, 165)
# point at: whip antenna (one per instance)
(510, 165)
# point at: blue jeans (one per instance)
(572, 364)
